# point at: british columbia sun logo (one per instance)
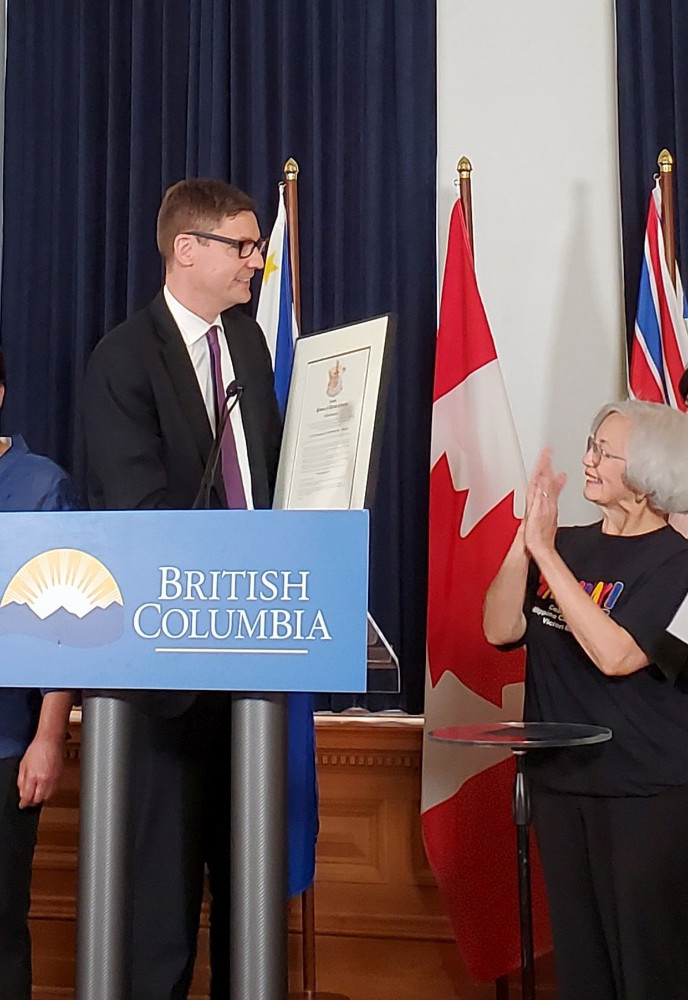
(65, 596)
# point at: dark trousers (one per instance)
(18, 828)
(181, 820)
(616, 871)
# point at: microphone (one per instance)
(234, 392)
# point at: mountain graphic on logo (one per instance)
(63, 596)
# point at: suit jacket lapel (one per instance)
(181, 371)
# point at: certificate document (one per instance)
(329, 431)
(333, 420)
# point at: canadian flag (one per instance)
(477, 489)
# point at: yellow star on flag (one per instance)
(270, 268)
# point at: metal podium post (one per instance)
(258, 945)
(103, 957)
(258, 948)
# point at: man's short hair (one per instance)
(197, 204)
(3, 376)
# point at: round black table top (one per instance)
(523, 735)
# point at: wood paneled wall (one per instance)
(381, 928)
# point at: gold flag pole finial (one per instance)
(463, 183)
(291, 177)
(291, 169)
(464, 167)
(665, 161)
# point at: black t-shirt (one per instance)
(639, 581)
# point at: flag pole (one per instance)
(464, 168)
(291, 197)
(665, 161)
(291, 174)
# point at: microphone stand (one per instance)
(202, 500)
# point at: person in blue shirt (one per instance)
(33, 725)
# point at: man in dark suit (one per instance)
(155, 395)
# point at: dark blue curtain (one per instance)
(652, 70)
(110, 101)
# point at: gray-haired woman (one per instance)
(591, 603)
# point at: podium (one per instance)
(259, 603)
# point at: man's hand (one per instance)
(40, 770)
(41, 766)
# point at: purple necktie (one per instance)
(231, 473)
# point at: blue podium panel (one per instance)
(216, 600)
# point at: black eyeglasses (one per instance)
(245, 247)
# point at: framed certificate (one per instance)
(334, 417)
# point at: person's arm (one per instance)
(503, 619)
(610, 647)
(123, 446)
(41, 766)
(61, 495)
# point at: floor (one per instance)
(380, 969)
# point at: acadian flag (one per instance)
(275, 313)
(278, 321)
(659, 350)
(477, 487)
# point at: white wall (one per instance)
(526, 90)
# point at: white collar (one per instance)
(192, 327)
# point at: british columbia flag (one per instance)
(659, 350)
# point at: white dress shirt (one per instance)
(193, 330)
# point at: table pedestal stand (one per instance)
(520, 738)
(522, 817)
